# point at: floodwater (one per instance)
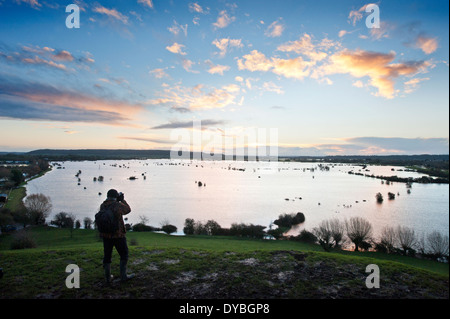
(245, 192)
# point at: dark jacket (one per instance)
(120, 209)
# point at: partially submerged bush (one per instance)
(289, 220)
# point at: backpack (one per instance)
(106, 220)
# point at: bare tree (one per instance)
(337, 229)
(143, 219)
(438, 244)
(388, 239)
(324, 235)
(359, 231)
(38, 208)
(406, 239)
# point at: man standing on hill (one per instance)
(117, 204)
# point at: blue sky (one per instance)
(136, 70)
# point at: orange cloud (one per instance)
(182, 98)
(113, 13)
(379, 67)
(176, 48)
(426, 44)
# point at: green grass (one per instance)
(15, 198)
(209, 267)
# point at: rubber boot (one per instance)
(123, 271)
(108, 276)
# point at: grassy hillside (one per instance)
(210, 267)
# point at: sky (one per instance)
(136, 72)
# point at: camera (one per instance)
(120, 197)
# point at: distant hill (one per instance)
(440, 162)
(98, 154)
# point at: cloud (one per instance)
(272, 87)
(378, 67)
(295, 68)
(413, 84)
(33, 3)
(63, 56)
(40, 61)
(176, 49)
(23, 99)
(197, 97)
(356, 15)
(177, 28)
(223, 20)
(383, 31)
(195, 7)
(313, 50)
(342, 33)
(45, 57)
(217, 69)
(147, 3)
(159, 73)
(146, 139)
(187, 65)
(275, 29)
(224, 44)
(370, 146)
(255, 61)
(397, 145)
(112, 13)
(319, 59)
(188, 124)
(426, 44)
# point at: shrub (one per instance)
(169, 229)
(63, 220)
(249, 231)
(391, 196)
(22, 240)
(143, 228)
(189, 226)
(359, 230)
(278, 232)
(212, 228)
(306, 237)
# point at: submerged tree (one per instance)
(379, 198)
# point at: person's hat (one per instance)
(112, 193)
